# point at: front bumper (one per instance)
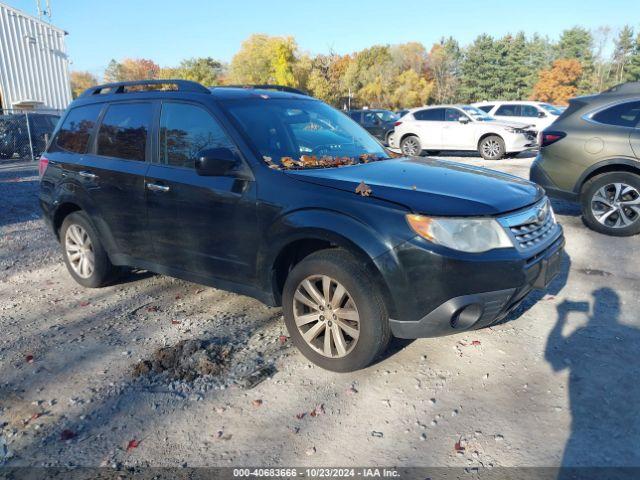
(437, 294)
(518, 142)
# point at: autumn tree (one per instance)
(204, 70)
(559, 83)
(80, 81)
(265, 59)
(131, 69)
(444, 66)
(577, 43)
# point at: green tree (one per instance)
(478, 70)
(622, 53)
(204, 70)
(632, 73)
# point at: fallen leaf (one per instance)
(85, 304)
(132, 444)
(175, 322)
(458, 446)
(283, 339)
(178, 297)
(363, 189)
(319, 410)
(257, 402)
(475, 343)
(153, 308)
(29, 358)
(67, 435)
(300, 416)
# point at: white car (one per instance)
(539, 114)
(459, 127)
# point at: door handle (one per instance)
(154, 187)
(89, 175)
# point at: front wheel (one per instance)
(334, 313)
(491, 148)
(611, 204)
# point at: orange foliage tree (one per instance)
(559, 83)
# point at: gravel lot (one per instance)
(557, 384)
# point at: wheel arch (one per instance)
(607, 166)
(63, 211)
(488, 134)
(346, 233)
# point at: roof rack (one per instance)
(629, 87)
(280, 88)
(120, 87)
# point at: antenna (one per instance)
(46, 12)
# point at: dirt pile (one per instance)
(187, 360)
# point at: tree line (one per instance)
(513, 67)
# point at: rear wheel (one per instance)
(389, 138)
(84, 255)
(410, 146)
(491, 148)
(334, 313)
(611, 203)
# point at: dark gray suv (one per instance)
(591, 154)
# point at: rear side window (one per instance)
(432, 114)
(124, 130)
(622, 115)
(508, 110)
(528, 111)
(76, 130)
(485, 108)
(185, 130)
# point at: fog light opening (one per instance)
(466, 316)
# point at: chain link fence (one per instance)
(24, 134)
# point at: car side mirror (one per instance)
(216, 162)
(541, 114)
(463, 120)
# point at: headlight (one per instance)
(473, 235)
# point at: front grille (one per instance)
(533, 227)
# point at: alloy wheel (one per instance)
(326, 316)
(616, 205)
(491, 148)
(79, 250)
(411, 147)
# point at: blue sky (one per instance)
(169, 31)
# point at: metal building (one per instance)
(34, 67)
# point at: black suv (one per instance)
(379, 123)
(273, 194)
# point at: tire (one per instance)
(410, 146)
(623, 218)
(491, 147)
(362, 296)
(72, 233)
(388, 138)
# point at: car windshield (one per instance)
(293, 133)
(551, 109)
(386, 116)
(476, 114)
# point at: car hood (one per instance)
(505, 123)
(429, 186)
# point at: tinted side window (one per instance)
(370, 119)
(432, 114)
(485, 108)
(622, 115)
(74, 133)
(528, 111)
(508, 110)
(123, 131)
(356, 116)
(185, 130)
(453, 115)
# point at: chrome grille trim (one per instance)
(532, 227)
